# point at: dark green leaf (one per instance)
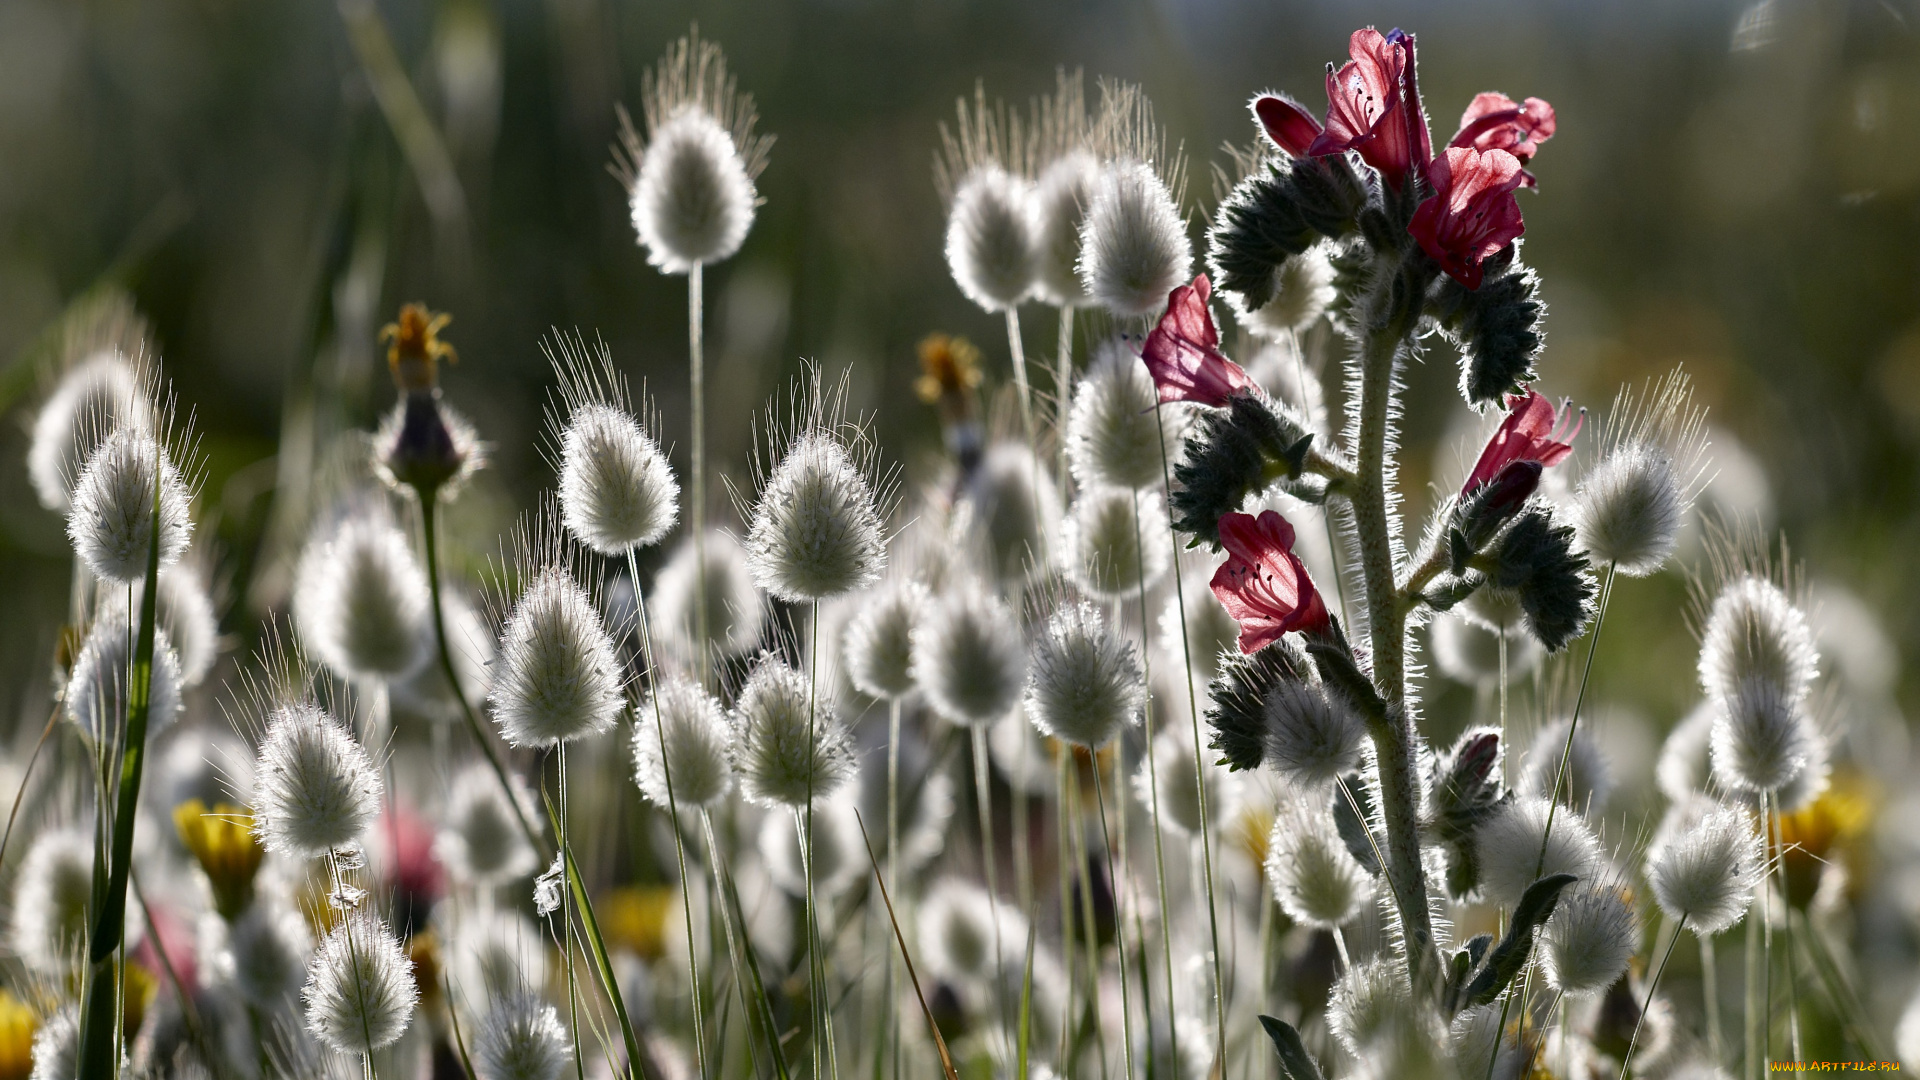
(1295, 1062)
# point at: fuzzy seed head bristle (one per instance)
(1087, 682)
(1209, 630)
(816, 531)
(1761, 739)
(111, 520)
(697, 740)
(968, 657)
(48, 928)
(360, 992)
(735, 608)
(791, 744)
(521, 1039)
(360, 600)
(424, 440)
(96, 695)
(1118, 542)
(1303, 289)
(1509, 848)
(957, 929)
(1589, 940)
(878, 646)
(1008, 513)
(1311, 738)
(1366, 1005)
(1707, 873)
(1682, 770)
(992, 238)
(264, 951)
(1134, 248)
(481, 842)
(1755, 633)
(1629, 509)
(56, 1046)
(839, 860)
(316, 789)
(1314, 877)
(1588, 780)
(617, 492)
(100, 395)
(1061, 196)
(558, 673)
(1114, 431)
(692, 201)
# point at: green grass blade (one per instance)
(939, 1041)
(603, 966)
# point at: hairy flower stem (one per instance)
(429, 542)
(1153, 772)
(1199, 764)
(673, 811)
(697, 475)
(1392, 729)
(1626, 1061)
(893, 871)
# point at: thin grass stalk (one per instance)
(746, 971)
(353, 956)
(1710, 992)
(697, 476)
(1063, 393)
(100, 1019)
(822, 1006)
(1653, 984)
(1199, 766)
(566, 925)
(939, 1042)
(453, 1018)
(1026, 1002)
(1573, 725)
(673, 811)
(1848, 1005)
(893, 871)
(1119, 938)
(1793, 978)
(1085, 864)
(1753, 1056)
(1063, 754)
(1766, 938)
(1153, 786)
(26, 778)
(983, 803)
(596, 945)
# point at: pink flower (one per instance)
(1472, 213)
(1183, 352)
(1373, 106)
(1532, 431)
(171, 943)
(1263, 584)
(1286, 124)
(1494, 122)
(405, 844)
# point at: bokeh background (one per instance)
(1732, 187)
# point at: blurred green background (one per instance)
(1732, 187)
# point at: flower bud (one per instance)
(1231, 454)
(1497, 327)
(1536, 559)
(425, 447)
(1086, 682)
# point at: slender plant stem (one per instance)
(1063, 392)
(1753, 1057)
(1018, 352)
(1120, 939)
(893, 871)
(26, 778)
(1626, 1061)
(566, 920)
(822, 1006)
(1199, 764)
(1502, 635)
(1766, 940)
(1153, 776)
(1710, 991)
(697, 475)
(1069, 771)
(673, 811)
(736, 956)
(1779, 842)
(1573, 725)
(983, 803)
(339, 898)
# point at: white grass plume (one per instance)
(1117, 542)
(697, 738)
(1114, 431)
(777, 762)
(360, 992)
(1630, 507)
(360, 598)
(112, 517)
(96, 692)
(316, 790)
(558, 674)
(616, 489)
(480, 841)
(735, 607)
(968, 656)
(1086, 683)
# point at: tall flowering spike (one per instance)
(521, 1039)
(968, 657)
(316, 789)
(1630, 506)
(112, 516)
(1494, 121)
(694, 729)
(1755, 633)
(735, 608)
(617, 492)
(1086, 684)
(96, 694)
(992, 234)
(424, 448)
(816, 530)
(878, 641)
(790, 742)
(480, 841)
(1113, 432)
(690, 180)
(1472, 213)
(557, 676)
(1133, 244)
(1263, 584)
(1290, 128)
(1183, 352)
(360, 991)
(101, 394)
(265, 953)
(1706, 874)
(1066, 171)
(361, 600)
(1373, 106)
(1533, 431)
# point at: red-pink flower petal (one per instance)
(1183, 355)
(1263, 585)
(1532, 431)
(1472, 213)
(1373, 106)
(1287, 125)
(1495, 121)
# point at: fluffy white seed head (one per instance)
(1588, 941)
(1472, 1038)
(1061, 196)
(1588, 779)
(1086, 683)
(1133, 244)
(48, 928)
(1302, 292)
(361, 600)
(1007, 513)
(111, 519)
(492, 950)
(692, 199)
(1682, 770)
(1367, 1005)
(1113, 432)
(1497, 610)
(1761, 739)
(558, 673)
(480, 841)
(617, 492)
(96, 696)
(1754, 633)
(956, 932)
(992, 238)
(1173, 776)
(968, 657)
(1509, 846)
(816, 531)
(839, 857)
(263, 953)
(791, 744)
(360, 992)
(521, 1039)
(315, 788)
(734, 606)
(96, 397)
(1629, 509)
(878, 642)
(186, 612)
(1023, 754)
(1117, 542)
(1311, 737)
(1707, 873)
(1210, 631)
(697, 737)
(56, 1046)
(1313, 875)
(1469, 653)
